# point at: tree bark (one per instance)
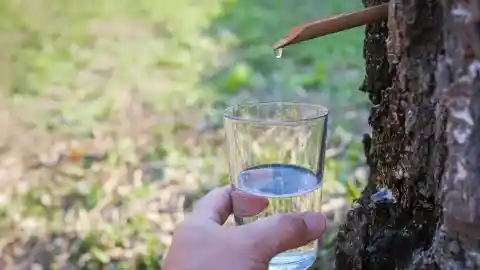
(422, 78)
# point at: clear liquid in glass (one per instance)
(289, 189)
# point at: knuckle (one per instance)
(187, 225)
(293, 224)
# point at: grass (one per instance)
(112, 117)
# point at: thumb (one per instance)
(282, 232)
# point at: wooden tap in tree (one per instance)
(333, 24)
(425, 141)
(422, 65)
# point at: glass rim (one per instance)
(227, 113)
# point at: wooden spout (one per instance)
(334, 24)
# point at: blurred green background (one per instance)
(112, 118)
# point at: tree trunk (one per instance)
(421, 206)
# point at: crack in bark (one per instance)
(403, 121)
(457, 240)
(424, 146)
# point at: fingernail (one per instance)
(246, 205)
(316, 223)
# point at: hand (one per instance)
(200, 242)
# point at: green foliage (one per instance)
(113, 109)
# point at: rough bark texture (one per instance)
(425, 146)
(408, 151)
(456, 243)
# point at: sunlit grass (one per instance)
(111, 109)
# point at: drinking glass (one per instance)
(276, 150)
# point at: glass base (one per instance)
(293, 261)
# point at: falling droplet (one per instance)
(278, 53)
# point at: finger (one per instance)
(216, 205)
(246, 205)
(219, 203)
(282, 232)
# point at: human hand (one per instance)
(200, 242)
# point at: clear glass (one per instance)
(277, 150)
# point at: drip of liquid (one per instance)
(278, 53)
